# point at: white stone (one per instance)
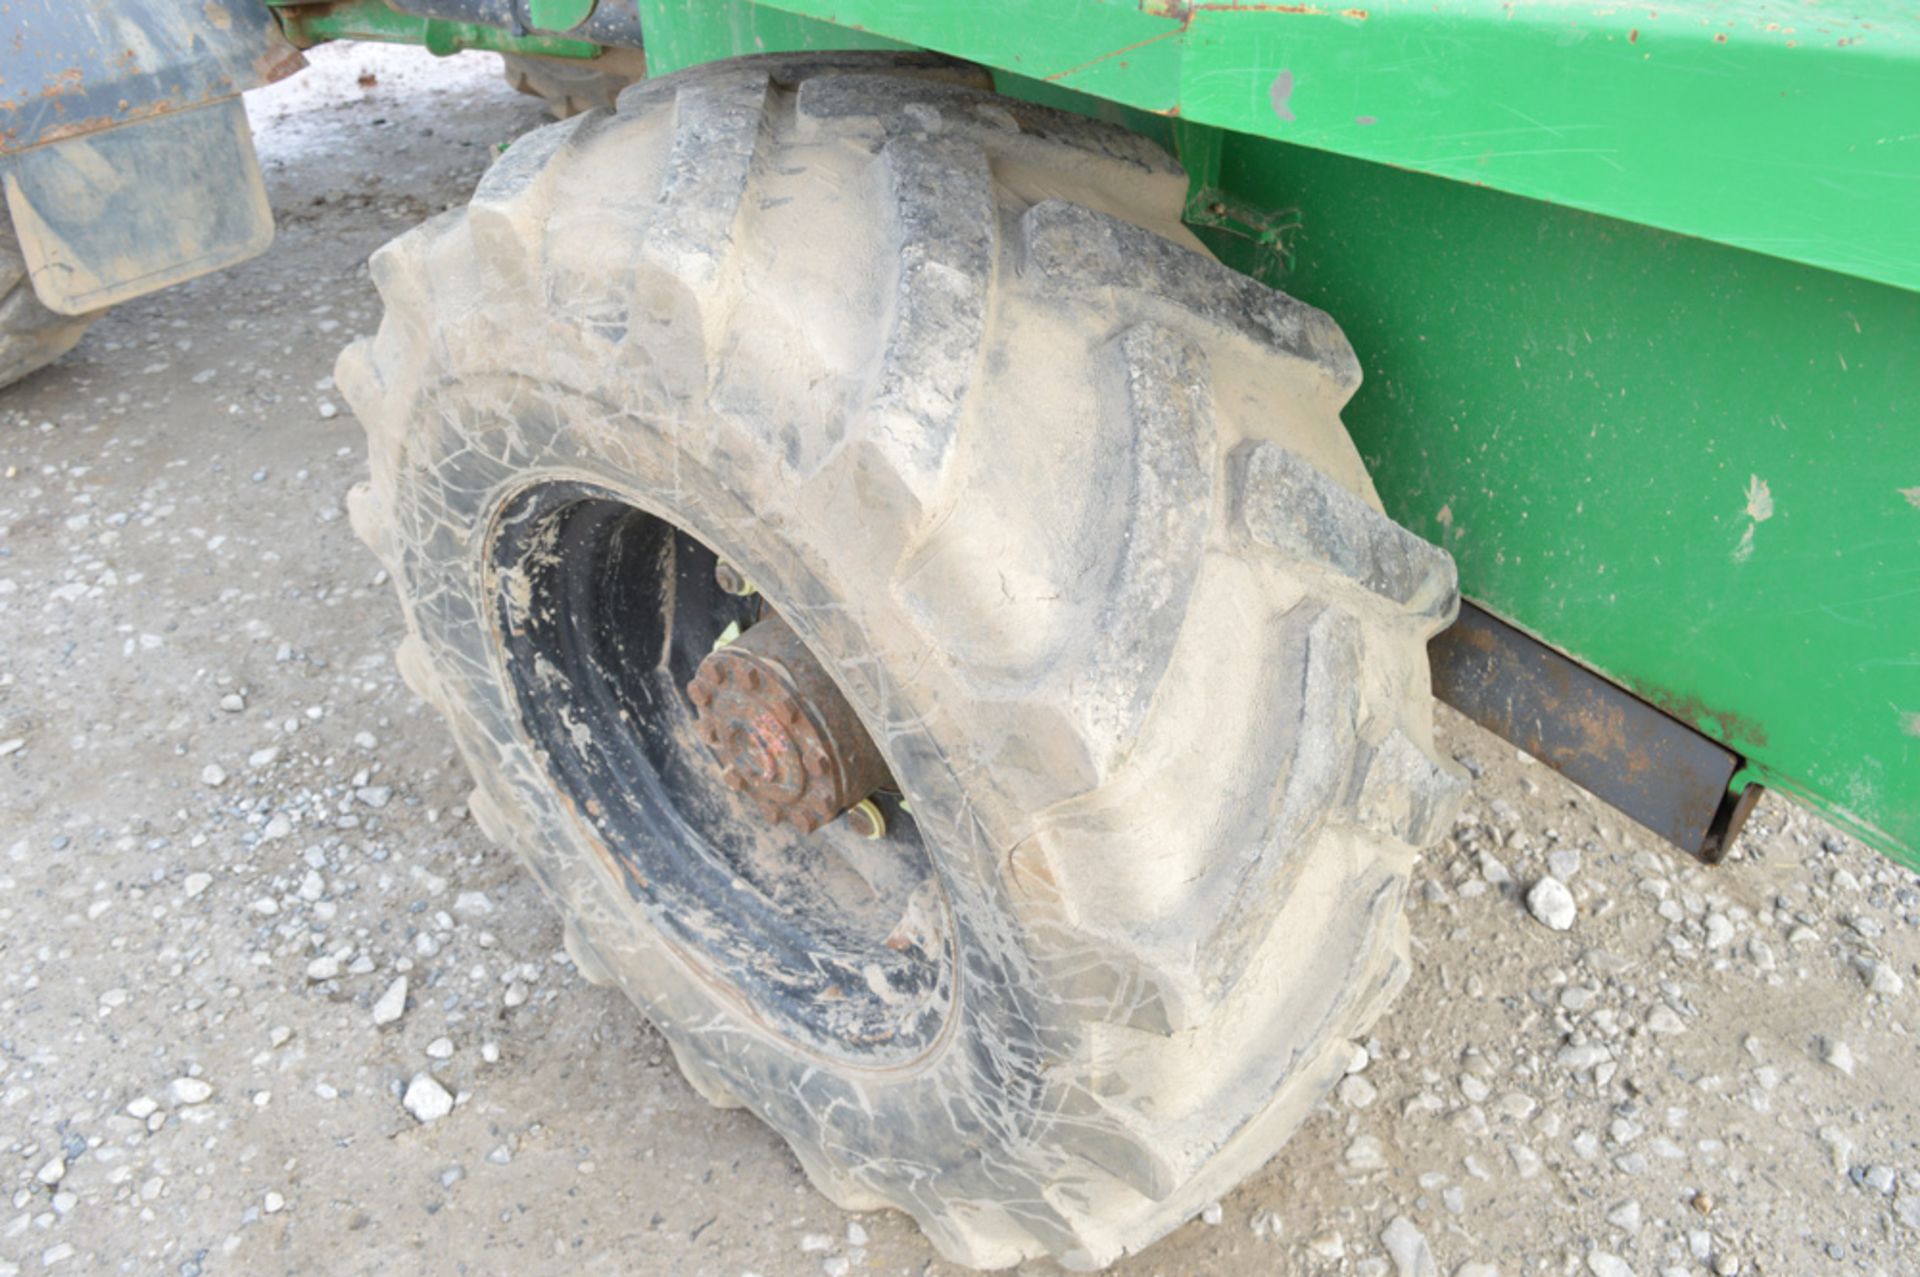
(1604, 1264)
(1328, 1246)
(426, 1099)
(53, 1172)
(1881, 978)
(189, 1090)
(1366, 1154)
(1551, 903)
(1663, 1019)
(1356, 1092)
(1563, 862)
(213, 775)
(194, 884)
(392, 1004)
(1719, 930)
(1408, 1249)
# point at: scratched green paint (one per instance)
(1581, 409)
(1695, 468)
(686, 32)
(1788, 129)
(373, 20)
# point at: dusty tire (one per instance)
(31, 336)
(573, 85)
(1067, 509)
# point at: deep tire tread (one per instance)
(1340, 788)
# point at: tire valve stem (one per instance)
(731, 580)
(867, 820)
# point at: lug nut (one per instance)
(731, 580)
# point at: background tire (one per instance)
(573, 85)
(1066, 509)
(31, 336)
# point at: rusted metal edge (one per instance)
(1623, 750)
(69, 68)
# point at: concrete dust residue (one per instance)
(227, 829)
(1759, 510)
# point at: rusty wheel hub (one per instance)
(780, 730)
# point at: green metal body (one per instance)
(1633, 291)
(307, 24)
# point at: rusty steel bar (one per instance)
(1631, 755)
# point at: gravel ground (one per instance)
(244, 909)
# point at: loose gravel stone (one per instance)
(1665, 1020)
(218, 778)
(1408, 1249)
(1551, 904)
(392, 1004)
(426, 1099)
(189, 1090)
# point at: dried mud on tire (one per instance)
(1067, 508)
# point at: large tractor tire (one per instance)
(573, 85)
(1043, 542)
(31, 336)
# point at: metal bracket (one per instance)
(1210, 206)
(1632, 756)
(118, 212)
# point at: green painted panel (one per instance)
(1695, 468)
(1792, 129)
(1692, 467)
(373, 20)
(1593, 415)
(682, 33)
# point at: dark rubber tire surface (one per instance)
(1067, 509)
(31, 336)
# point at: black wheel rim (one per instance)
(604, 610)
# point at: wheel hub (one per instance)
(780, 730)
